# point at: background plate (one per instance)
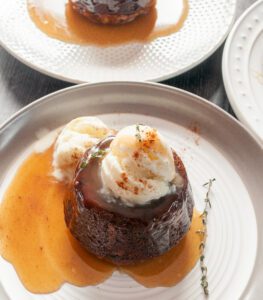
(243, 68)
(232, 156)
(205, 29)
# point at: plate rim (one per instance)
(162, 86)
(55, 75)
(225, 62)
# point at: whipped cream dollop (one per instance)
(139, 166)
(75, 138)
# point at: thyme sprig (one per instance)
(99, 153)
(96, 154)
(203, 233)
(138, 133)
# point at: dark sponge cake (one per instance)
(119, 233)
(112, 11)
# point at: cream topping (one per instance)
(139, 166)
(75, 138)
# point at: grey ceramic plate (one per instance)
(211, 144)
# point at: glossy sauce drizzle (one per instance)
(35, 239)
(57, 19)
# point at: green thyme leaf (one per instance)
(138, 133)
(99, 153)
(83, 165)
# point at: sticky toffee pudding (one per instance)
(112, 11)
(123, 234)
(128, 207)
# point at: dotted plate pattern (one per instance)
(205, 29)
(232, 229)
(243, 68)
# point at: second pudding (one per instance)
(112, 11)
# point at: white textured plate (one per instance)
(243, 68)
(205, 29)
(233, 157)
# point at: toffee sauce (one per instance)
(35, 240)
(59, 20)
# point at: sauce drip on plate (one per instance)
(58, 20)
(35, 239)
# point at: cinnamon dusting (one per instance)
(122, 185)
(136, 190)
(124, 177)
(136, 155)
(195, 128)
